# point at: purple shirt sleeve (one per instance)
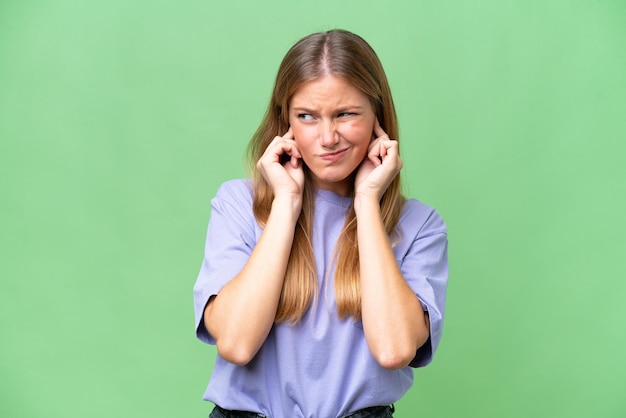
(230, 238)
(423, 258)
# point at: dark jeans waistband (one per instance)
(371, 412)
(219, 412)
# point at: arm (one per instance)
(394, 322)
(241, 315)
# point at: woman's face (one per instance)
(332, 124)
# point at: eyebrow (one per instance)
(338, 110)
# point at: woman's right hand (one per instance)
(285, 178)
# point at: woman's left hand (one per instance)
(380, 166)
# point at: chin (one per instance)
(334, 182)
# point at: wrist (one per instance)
(366, 203)
(287, 205)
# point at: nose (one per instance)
(328, 134)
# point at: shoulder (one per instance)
(418, 218)
(235, 191)
(234, 198)
(232, 206)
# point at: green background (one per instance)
(119, 119)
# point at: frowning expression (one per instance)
(332, 123)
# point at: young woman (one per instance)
(321, 286)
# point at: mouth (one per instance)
(334, 156)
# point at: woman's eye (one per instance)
(346, 114)
(305, 116)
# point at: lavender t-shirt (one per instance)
(322, 366)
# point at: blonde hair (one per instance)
(347, 56)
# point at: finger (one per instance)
(294, 161)
(290, 153)
(373, 154)
(282, 150)
(294, 150)
(388, 147)
(289, 134)
(383, 148)
(378, 130)
(392, 147)
(390, 152)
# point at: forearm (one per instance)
(242, 314)
(394, 323)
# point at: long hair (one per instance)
(347, 56)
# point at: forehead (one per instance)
(328, 91)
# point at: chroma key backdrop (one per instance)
(119, 120)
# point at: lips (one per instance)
(334, 156)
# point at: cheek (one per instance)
(303, 136)
(362, 152)
(358, 133)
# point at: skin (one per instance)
(332, 123)
(334, 131)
